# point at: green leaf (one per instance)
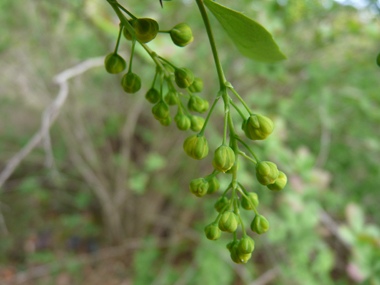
(252, 39)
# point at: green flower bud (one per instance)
(238, 167)
(228, 222)
(224, 158)
(183, 122)
(266, 172)
(259, 224)
(181, 35)
(221, 203)
(114, 63)
(131, 82)
(160, 110)
(196, 104)
(146, 29)
(246, 245)
(171, 98)
(197, 85)
(166, 122)
(213, 185)
(378, 59)
(197, 123)
(184, 77)
(153, 96)
(196, 147)
(212, 232)
(126, 33)
(280, 182)
(257, 127)
(205, 106)
(199, 187)
(237, 256)
(252, 199)
(231, 244)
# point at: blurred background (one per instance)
(106, 200)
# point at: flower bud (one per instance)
(266, 172)
(228, 222)
(213, 185)
(181, 35)
(237, 256)
(280, 182)
(197, 123)
(153, 96)
(183, 122)
(238, 167)
(199, 187)
(246, 245)
(257, 127)
(126, 33)
(212, 232)
(224, 158)
(197, 85)
(131, 82)
(231, 244)
(205, 106)
(259, 224)
(196, 104)
(252, 201)
(221, 203)
(166, 122)
(114, 63)
(160, 110)
(171, 98)
(196, 147)
(184, 77)
(146, 29)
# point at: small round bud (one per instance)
(197, 85)
(184, 77)
(114, 63)
(146, 29)
(212, 232)
(259, 224)
(266, 172)
(196, 147)
(126, 33)
(246, 245)
(251, 202)
(228, 222)
(280, 182)
(231, 244)
(224, 158)
(171, 98)
(197, 123)
(198, 187)
(238, 167)
(221, 203)
(181, 34)
(196, 104)
(237, 256)
(213, 185)
(153, 96)
(257, 127)
(205, 106)
(131, 82)
(160, 110)
(166, 122)
(183, 122)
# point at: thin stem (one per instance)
(208, 116)
(241, 99)
(226, 191)
(132, 53)
(237, 109)
(122, 18)
(165, 31)
(247, 157)
(249, 201)
(225, 127)
(155, 77)
(126, 11)
(247, 147)
(184, 108)
(242, 187)
(213, 174)
(168, 62)
(118, 38)
(162, 87)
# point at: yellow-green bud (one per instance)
(280, 182)
(257, 127)
(246, 245)
(196, 147)
(198, 187)
(160, 110)
(184, 77)
(196, 104)
(251, 202)
(224, 158)
(259, 224)
(205, 106)
(171, 98)
(181, 35)
(228, 222)
(197, 85)
(114, 63)
(146, 29)
(126, 33)
(231, 244)
(153, 96)
(197, 123)
(221, 203)
(266, 172)
(238, 167)
(166, 122)
(213, 185)
(212, 231)
(237, 256)
(131, 82)
(183, 122)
